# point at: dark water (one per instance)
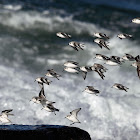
(29, 46)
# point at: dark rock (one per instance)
(49, 132)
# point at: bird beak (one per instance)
(83, 90)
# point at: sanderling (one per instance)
(71, 70)
(76, 45)
(100, 35)
(91, 90)
(73, 116)
(101, 43)
(41, 98)
(99, 67)
(120, 87)
(71, 64)
(136, 20)
(63, 35)
(4, 116)
(50, 108)
(128, 57)
(101, 57)
(52, 73)
(123, 36)
(84, 70)
(42, 80)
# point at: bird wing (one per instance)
(105, 57)
(73, 62)
(84, 74)
(7, 111)
(100, 74)
(74, 48)
(129, 56)
(75, 112)
(137, 58)
(90, 87)
(120, 86)
(41, 93)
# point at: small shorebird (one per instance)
(63, 35)
(120, 87)
(42, 80)
(91, 90)
(128, 57)
(100, 35)
(50, 108)
(99, 67)
(41, 98)
(76, 45)
(136, 20)
(101, 43)
(52, 73)
(123, 36)
(102, 57)
(4, 116)
(73, 116)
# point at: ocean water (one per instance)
(29, 46)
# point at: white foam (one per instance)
(12, 7)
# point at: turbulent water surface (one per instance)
(29, 46)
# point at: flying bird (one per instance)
(52, 73)
(63, 35)
(128, 57)
(42, 80)
(120, 87)
(91, 90)
(41, 98)
(136, 20)
(101, 43)
(73, 116)
(76, 45)
(101, 35)
(123, 36)
(4, 116)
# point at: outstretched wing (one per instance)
(75, 112)
(84, 74)
(41, 93)
(7, 111)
